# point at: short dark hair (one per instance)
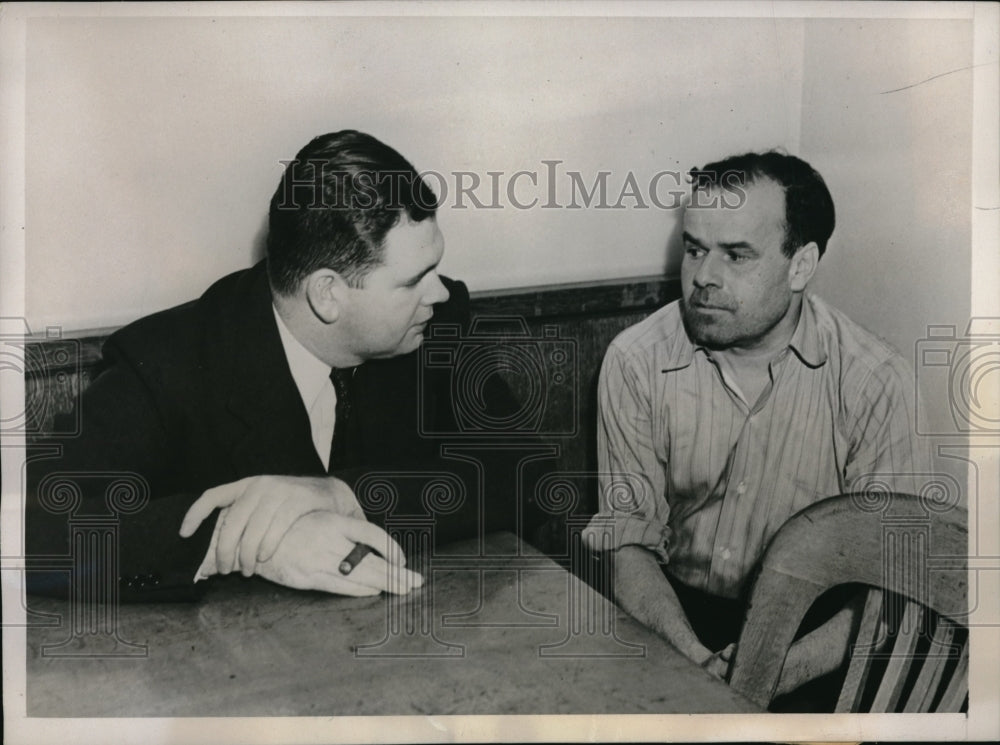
(809, 213)
(334, 205)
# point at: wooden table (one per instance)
(491, 633)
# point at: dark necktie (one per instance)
(342, 380)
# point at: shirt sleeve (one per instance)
(632, 480)
(886, 453)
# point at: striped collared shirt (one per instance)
(708, 478)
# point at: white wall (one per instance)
(153, 144)
(899, 164)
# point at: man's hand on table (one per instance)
(309, 558)
(260, 512)
(261, 509)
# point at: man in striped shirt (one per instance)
(737, 406)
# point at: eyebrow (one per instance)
(730, 246)
(688, 238)
(738, 245)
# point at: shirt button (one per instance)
(741, 488)
(725, 553)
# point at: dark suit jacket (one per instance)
(201, 395)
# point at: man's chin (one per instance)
(411, 343)
(705, 332)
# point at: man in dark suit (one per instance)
(271, 398)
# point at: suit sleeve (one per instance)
(116, 476)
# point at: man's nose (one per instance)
(437, 293)
(707, 273)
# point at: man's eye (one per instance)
(738, 258)
(693, 251)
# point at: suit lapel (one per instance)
(276, 436)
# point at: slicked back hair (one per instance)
(335, 204)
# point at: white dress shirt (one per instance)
(312, 378)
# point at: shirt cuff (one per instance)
(208, 567)
(611, 532)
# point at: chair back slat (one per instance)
(958, 684)
(921, 698)
(860, 664)
(901, 660)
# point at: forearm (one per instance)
(819, 652)
(647, 595)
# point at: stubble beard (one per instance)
(723, 330)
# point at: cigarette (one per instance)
(360, 551)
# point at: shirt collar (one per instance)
(805, 342)
(310, 373)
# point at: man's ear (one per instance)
(803, 266)
(325, 292)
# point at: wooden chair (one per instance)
(911, 553)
